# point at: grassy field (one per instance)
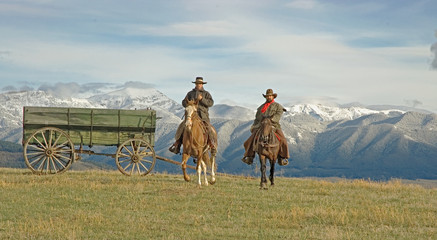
(108, 205)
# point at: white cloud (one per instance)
(434, 53)
(303, 4)
(189, 29)
(31, 8)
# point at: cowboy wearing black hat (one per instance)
(205, 102)
(274, 110)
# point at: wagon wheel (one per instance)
(49, 150)
(135, 156)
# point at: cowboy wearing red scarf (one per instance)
(274, 110)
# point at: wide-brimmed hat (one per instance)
(199, 80)
(269, 92)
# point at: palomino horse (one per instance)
(266, 144)
(195, 144)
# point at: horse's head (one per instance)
(189, 111)
(266, 130)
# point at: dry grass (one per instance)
(108, 205)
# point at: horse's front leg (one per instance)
(212, 168)
(185, 158)
(205, 179)
(272, 172)
(199, 167)
(262, 161)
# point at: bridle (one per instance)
(267, 140)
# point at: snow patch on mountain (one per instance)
(333, 113)
(231, 112)
(141, 98)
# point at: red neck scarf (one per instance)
(266, 105)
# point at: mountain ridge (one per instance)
(352, 141)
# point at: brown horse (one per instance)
(195, 144)
(267, 145)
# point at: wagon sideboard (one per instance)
(88, 126)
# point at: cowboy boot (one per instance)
(282, 161)
(247, 160)
(176, 147)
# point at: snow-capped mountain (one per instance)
(324, 140)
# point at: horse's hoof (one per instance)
(187, 178)
(263, 186)
(212, 182)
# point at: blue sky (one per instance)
(372, 52)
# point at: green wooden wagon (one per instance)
(50, 135)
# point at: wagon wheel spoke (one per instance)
(45, 140)
(135, 146)
(64, 144)
(42, 164)
(53, 164)
(124, 155)
(147, 161)
(34, 154)
(138, 168)
(139, 145)
(144, 166)
(57, 140)
(37, 148)
(36, 161)
(128, 150)
(132, 169)
(127, 166)
(126, 160)
(39, 142)
(47, 165)
(50, 138)
(39, 164)
(62, 156)
(144, 152)
(59, 161)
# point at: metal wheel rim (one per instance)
(48, 151)
(135, 157)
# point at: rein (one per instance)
(271, 136)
